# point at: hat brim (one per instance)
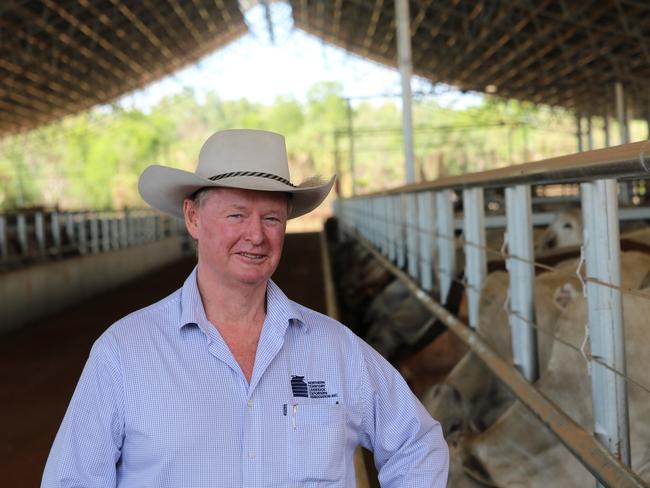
(166, 188)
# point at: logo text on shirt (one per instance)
(309, 389)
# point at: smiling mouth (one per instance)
(254, 257)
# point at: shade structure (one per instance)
(555, 52)
(59, 57)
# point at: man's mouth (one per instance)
(255, 257)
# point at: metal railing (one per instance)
(411, 229)
(29, 236)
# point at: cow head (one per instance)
(565, 230)
(446, 404)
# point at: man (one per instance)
(227, 382)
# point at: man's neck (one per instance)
(232, 304)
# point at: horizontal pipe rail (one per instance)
(593, 455)
(625, 161)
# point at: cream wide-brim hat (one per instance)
(235, 158)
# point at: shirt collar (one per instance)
(279, 309)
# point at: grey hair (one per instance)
(199, 196)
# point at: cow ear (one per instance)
(564, 295)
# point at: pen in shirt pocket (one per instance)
(294, 411)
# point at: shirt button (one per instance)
(251, 454)
(250, 403)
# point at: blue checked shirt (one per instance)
(162, 402)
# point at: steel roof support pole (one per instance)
(624, 135)
(445, 242)
(427, 252)
(521, 272)
(412, 234)
(405, 68)
(579, 131)
(620, 114)
(606, 128)
(590, 134)
(605, 314)
(475, 262)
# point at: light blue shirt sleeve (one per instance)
(87, 446)
(409, 447)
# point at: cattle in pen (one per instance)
(518, 451)
(471, 398)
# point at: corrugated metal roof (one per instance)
(555, 52)
(58, 57)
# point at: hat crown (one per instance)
(243, 150)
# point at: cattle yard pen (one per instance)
(28, 236)
(411, 230)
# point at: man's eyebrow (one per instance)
(242, 207)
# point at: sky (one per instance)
(253, 67)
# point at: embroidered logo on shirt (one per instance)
(309, 389)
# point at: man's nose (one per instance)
(254, 231)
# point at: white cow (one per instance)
(471, 398)
(564, 231)
(477, 396)
(518, 451)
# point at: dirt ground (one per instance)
(40, 364)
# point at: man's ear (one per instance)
(191, 214)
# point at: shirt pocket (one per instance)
(316, 442)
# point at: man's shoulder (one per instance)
(161, 314)
(317, 319)
(327, 325)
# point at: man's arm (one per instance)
(408, 444)
(88, 444)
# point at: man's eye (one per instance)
(235, 216)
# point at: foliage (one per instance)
(93, 160)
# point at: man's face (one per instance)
(239, 232)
